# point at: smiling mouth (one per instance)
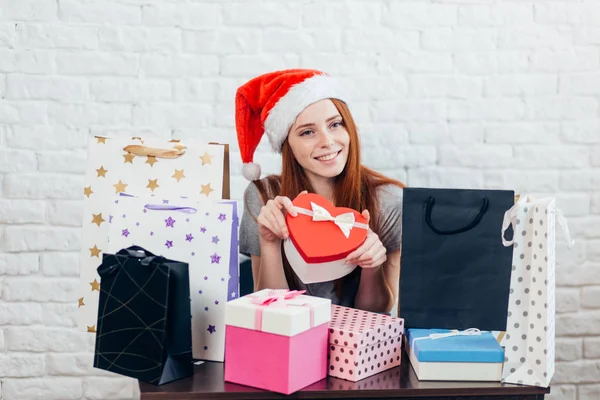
(328, 157)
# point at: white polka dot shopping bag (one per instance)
(530, 334)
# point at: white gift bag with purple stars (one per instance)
(140, 167)
(530, 335)
(203, 234)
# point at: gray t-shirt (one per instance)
(390, 198)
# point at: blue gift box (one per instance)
(481, 348)
(461, 356)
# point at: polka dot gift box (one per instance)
(276, 340)
(362, 343)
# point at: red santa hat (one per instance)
(270, 104)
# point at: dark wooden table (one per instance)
(397, 383)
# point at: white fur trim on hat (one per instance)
(251, 171)
(286, 110)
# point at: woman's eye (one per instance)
(305, 133)
(337, 124)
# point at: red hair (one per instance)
(355, 187)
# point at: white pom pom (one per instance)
(251, 171)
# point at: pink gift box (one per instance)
(362, 343)
(276, 340)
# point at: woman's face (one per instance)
(319, 140)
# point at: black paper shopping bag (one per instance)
(144, 318)
(455, 272)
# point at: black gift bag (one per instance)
(455, 272)
(144, 319)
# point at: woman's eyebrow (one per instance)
(312, 124)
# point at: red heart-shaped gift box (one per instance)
(317, 249)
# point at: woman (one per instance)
(306, 120)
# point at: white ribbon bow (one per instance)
(344, 221)
(454, 332)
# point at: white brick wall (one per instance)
(454, 93)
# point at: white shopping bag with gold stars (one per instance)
(530, 335)
(140, 167)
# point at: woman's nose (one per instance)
(326, 139)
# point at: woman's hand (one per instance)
(271, 219)
(371, 253)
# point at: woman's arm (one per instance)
(267, 269)
(377, 288)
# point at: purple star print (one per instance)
(215, 258)
(222, 217)
(205, 308)
(199, 291)
(165, 201)
(125, 232)
(169, 244)
(189, 237)
(211, 329)
(124, 215)
(110, 217)
(193, 253)
(170, 222)
(151, 233)
(145, 210)
(207, 214)
(137, 224)
(215, 239)
(202, 229)
(217, 302)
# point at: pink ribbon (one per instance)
(278, 298)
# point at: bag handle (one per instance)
(429, 208)
(167, 207)
(146, 258)
(141, 150)
(510, 218)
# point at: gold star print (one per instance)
(206, 158)
(120, 187)
(178, 174)
(138, 138)
(128, 158)
(88, 191)
(81, 303)
(180, 146)
(91, 329)
(101, 171)
(95, 251)
(206, 189)
(151, 160)
(97, 219)
(95, 285)
(101, 140)
(152, 184)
